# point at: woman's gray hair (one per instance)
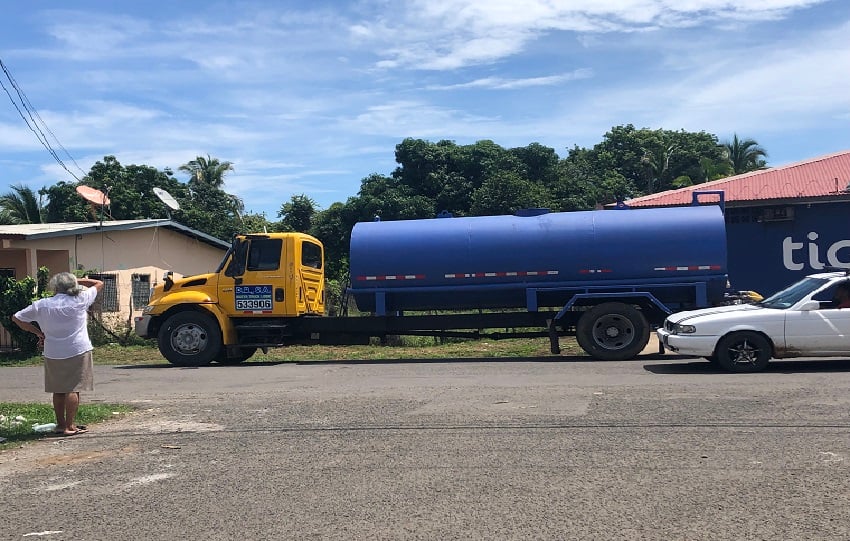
(64, 283)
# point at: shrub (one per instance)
(16, 295)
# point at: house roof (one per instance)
(824, 177)
(63, 229)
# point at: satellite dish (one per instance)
(92, 195)
(166, 198)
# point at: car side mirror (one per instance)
(809, 306)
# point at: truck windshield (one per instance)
(792, 294)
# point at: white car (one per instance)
(802, 320)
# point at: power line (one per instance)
(32, 124)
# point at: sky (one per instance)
(311, 96)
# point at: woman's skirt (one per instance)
(69, 375)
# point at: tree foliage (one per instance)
(209, 171)
(297, 214)
(430, 177)
(21, 206)
(16, 295)
(744, 155)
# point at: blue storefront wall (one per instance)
(765, 255)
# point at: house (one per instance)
(130, 256)
(781, 223)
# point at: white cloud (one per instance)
(450, 34)
(501, 83)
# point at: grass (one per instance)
(16, 420)
(415, 348)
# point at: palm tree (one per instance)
(714, 169)
(207, 170)
(744, 155)
(21, 206)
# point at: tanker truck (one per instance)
(606, 277)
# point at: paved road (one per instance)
(658, 448)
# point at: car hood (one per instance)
(684, 317)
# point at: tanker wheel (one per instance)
(244, 355)
(190, 339)
(612, 332)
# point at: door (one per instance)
(822, 332)
(253, 282)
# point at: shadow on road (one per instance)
(442, 360)
(552, 359)
(792, 366)
(209, 366)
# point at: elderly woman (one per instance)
(63, 330)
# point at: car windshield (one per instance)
(792, 294)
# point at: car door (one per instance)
(821, 332)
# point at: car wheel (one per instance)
(612, 331)
(744, 351)
(190, 339)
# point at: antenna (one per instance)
(95, 197)
(167, 200)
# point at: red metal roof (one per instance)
(818, 177)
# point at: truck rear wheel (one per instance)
(190, 339)
(612, 331)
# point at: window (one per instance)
(107, 299)
(264, 254)
(7, 273)
(742, 215)
(141, 290)
(311, 255)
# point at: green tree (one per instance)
(21, 205)
(16, 295)
(713, 170)
(64, 204)
(744, 155)
(539, 163)
(333, 227)
(386, 198)
(651, 159)
(297, 214)
(207, 170)
(507, 193)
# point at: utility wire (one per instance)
(31, 122)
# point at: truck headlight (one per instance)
(147, 309)
(684, 329)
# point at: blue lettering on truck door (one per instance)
(253, 298)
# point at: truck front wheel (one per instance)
(190, 339)
(612, 331)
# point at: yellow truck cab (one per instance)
(263, 282)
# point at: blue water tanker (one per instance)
(663, 259)
(605, 277)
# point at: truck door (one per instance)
(311, 281)
(253, 281)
